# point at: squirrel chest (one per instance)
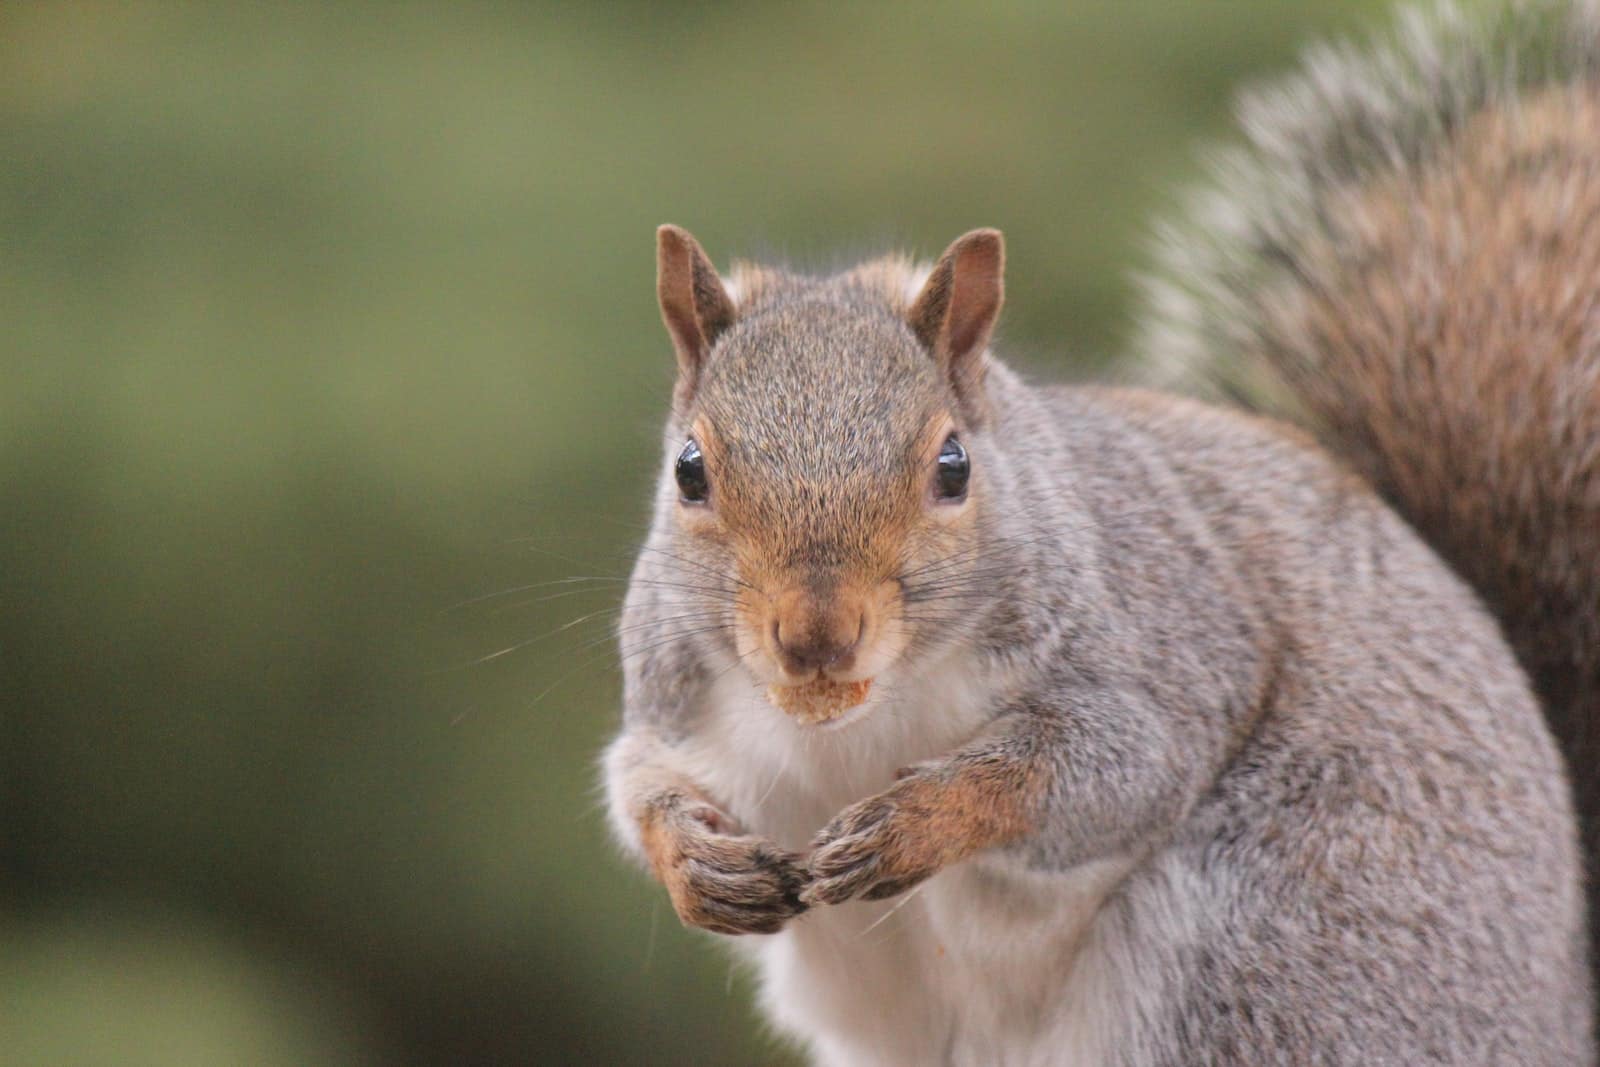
(983, 954)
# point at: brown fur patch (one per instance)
(694, 306)
(930, 819)
(956, 311)
(717, 878)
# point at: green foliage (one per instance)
(323, 319)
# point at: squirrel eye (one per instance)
(954, 470)
(690, 470)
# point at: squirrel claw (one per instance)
(868, 851)
(853, 874)
(729, 884)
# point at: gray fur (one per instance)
(1405, 255)
(1232, 661)
(1285, 795)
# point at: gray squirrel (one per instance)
(1031, 725)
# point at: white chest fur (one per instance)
(785, 780)
(986, 963)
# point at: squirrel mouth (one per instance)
(820, 700)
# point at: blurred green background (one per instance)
(324, 320)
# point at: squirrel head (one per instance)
(821, 465)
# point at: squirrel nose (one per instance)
(809, 641)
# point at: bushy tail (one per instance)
(1405, 256)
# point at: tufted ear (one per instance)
(694, 305)
(956, 311)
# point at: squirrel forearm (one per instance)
(1049, 779)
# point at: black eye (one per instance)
(954, 470)
(690, 470)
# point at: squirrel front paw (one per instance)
(876, 848)
(720, 879)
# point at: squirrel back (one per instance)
(1405, 257)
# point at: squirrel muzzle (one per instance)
(807, 634)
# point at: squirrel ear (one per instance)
(694, 305)
(956, 311)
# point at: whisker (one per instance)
(706, 568)
(902, 902)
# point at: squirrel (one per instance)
(1040, 725)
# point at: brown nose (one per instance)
(810, 635)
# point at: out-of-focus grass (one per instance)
(93, 988)
(323, 318)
